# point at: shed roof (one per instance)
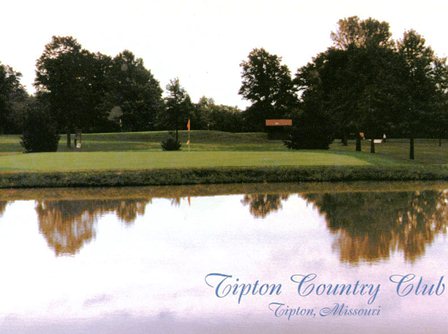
(279, 122)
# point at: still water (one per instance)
(324, 258)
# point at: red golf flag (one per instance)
(188, 128)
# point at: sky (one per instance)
(202, 42)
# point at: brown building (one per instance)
(278, 128)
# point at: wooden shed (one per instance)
(278, 128)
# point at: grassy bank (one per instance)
(184, 176)
(120, 159)
(198, 190)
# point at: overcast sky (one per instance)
(202, 42)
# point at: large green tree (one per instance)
(133, 89)
(366, 82)
(267, 84)
(12, 99)
(353, 89)
(439, 124)
(62, 78)
(94, 92)
(178, 108)
(363, 101)
(421, 84)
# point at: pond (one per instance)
(263, 258)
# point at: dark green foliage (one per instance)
(170, 144)
(13, 99)
(362, 33)
(62, 78)
(40, 133)
(210, 116)
(268, 85)
(309, 135)
(356, 88)
(369, 83)
(178, 108)
(132, 88)
(84, 89)
(228, 119)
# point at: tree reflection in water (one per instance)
(3, 205)
(68, 225)
(260, 205)
(175, 201)
(370, 226)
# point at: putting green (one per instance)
(79, 161)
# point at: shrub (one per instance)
(170, 144)
(39, 133)
(310, 133)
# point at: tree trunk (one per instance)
(358, 143)
(411, 148)
(177, 127)
(69, 139)
(372, 145)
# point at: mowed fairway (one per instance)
(88, 161)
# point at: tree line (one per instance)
(364, 83)
(79, 90)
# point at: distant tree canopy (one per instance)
(208, 115)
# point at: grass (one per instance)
(97, 161)
(136, 159)
(427, 151)
(150, 141)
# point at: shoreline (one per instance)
(221, 175)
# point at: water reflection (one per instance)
(260, 205)
(3, 205)
(139, 273)
(68, 225)
(175, 201)
(368, 225)
(371, 225)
